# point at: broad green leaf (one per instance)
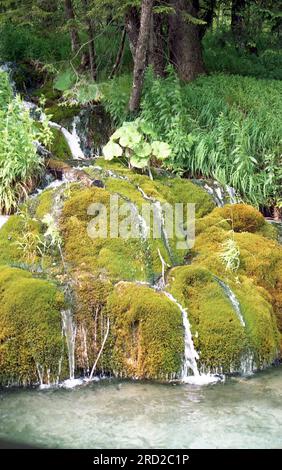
(117, 134)
(138, 162)
(130, 138)
(161, 150)
(143, 149)
(112, 150)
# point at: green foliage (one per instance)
(222, 55)
(23, 43)
(115, 96)
(65, 80)
(224, 127)
(5, 90)
(135, 142)
(19, 164)
(230, 255)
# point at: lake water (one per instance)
(240, 413)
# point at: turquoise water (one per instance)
(240, 413)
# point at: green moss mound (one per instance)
(91, 296)
(223, 342)
(218, 335)
(31, 343)
(59, 147)
(242, 217)
(115, 258)
(146, 333)
(44, 204)
(62, 114)
(11, 237)
(260, 257)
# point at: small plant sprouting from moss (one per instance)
(230, 255)
(31, 244)
(52, 234)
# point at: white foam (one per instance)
(202, 379)
(3, 219)
(71, 383)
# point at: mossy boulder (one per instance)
(59, 148)
(260, 257)
(91, 295)
(115, 258)
(147, 338)
(223, 342)
(31, 342)
(62, 114)
(241, 217)
(113, 282)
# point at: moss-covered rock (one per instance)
(31, 343)
(223, 342)
(115, 258)
(62, 114)
(260, 256)
(107, 274)
(59, 147)
(241, 217)
(91, 295)
(44, 204)
(147, 338)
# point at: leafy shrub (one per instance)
(219, 126)
(135, 141)
(222, 55)
(19, 163)
(24, 43)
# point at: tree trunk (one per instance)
(91, 45)
(157, 48)
(119, 55)
(184, 41)
(141, 55)
(237, 20)
(132, 25)
(72, 27)
(208, 18)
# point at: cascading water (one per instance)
(158, 213)
(247, 363)
(71, 138)
(233, 299)
(70, 334)
(190, 354)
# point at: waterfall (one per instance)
(233, 299)
(161, 222)
(72, 140)
(70, 334)
(190, 354)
